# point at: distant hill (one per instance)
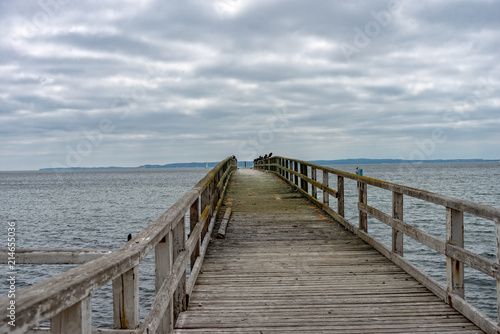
(360, 161)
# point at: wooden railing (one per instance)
(65, 299)
(302, 175)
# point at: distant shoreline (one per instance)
(361, 161)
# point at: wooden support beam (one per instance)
(340, 195)
(397, 213)
(179, 245)
(296, 169)
(163, 265)
(223, 225)
(497, 239)
(126, 299)
(314, 191)
(326, 196)
(303, 183)
(53, 256)
(76, 319)
(363, 198)
(194, 217)
(455, 237)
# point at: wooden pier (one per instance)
(268, 251)
(285, 266)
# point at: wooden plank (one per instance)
(54, 256)
(76, 319)
(163, 270)
(397, 213)
(362, 199)
(497, 243)
(314, 188)
(126, 299)
(43, 330)
(326, 196)
(455, 237)
(340, 195)
(179, 245)
(223, 225)
(194, 217)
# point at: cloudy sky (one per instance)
(125, 83)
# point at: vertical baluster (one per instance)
(340, 195)
(497, 237)
(326, 196)
(363, 218)
(314, 191)
(163, 265)
(179, 244)
(76, 319)
(455, 236)
(194, 217)
(126, 299)
(296, 169)
(303, 183)
(205, 200)
(290, 165)
(397, 213)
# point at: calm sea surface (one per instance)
(99, 208)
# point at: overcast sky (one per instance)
(125, 83)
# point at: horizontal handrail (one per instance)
(53, 256)
(296, 173)
(48, 299)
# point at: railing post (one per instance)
(76, 319)
(326, 196)
(287, 166)
(303, 183)
(363, 198)
(397, 213)
(340, 195)
(314, 191)
(296, 169)
(194, 217)
(455, 236)
(126, 299)
(497, 238)
(204, 201)
(179, 244)
(163, 265)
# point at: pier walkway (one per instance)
(285, 266)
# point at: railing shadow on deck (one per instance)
(302, 175)
(65, 299)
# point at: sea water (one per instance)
(97, 209)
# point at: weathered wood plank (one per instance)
(126, 299)
(455, 237)
(223, 226)
(76, 319)
(397, 213)
(163, 269)
(54, 256)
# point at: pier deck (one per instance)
(287, 267)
